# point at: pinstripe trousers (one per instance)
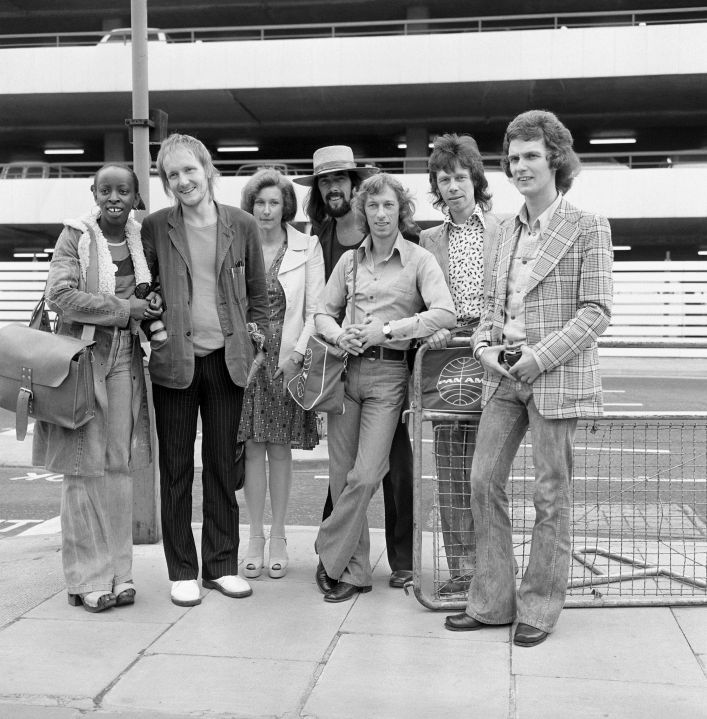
(212, 393)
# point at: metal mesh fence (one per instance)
(639, 510)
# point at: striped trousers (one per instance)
(213, 394)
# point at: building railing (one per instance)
(399, 164)
(485, 23)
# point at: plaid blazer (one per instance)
(567, 306)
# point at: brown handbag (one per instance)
(320, 383)
(47, 377)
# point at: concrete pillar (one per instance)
(114, 147)
(418, 12)
(416, 139)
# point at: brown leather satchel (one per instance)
(46, 376)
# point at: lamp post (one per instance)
(146, 519)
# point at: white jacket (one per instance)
(301, 276)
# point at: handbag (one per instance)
(451, 380)
(46, 376)
(320, 383)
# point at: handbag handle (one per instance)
(353, 294)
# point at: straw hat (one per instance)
(334, 158)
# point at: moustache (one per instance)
(335, 196)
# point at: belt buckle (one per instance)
(372, 353)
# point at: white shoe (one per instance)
(185, 593)
(231, 585)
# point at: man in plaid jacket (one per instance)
(550, 298)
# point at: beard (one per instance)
(343, 209)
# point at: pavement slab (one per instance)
(389, 677)
(560, 698)
(614, 644)
(71, 659)
(236, 687)
(392, 612)
(283, 619)
(152, 602)
(27, 711)
(30, 568)
(693, 622)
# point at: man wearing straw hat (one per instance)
(335, 179)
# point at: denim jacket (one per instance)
(240, 286)
(82, 451)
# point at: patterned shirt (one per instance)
(466, 264)
(526, 252)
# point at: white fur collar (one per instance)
(106, 268)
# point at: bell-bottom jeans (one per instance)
(97, 512)
(359, 447)
(541, 595)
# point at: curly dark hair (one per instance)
(270, 177)
(139, 204)
(451, 150)
(546, 126)
(374, 185)
(314, 205)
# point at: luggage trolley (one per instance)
(446, 396)
(638, 496)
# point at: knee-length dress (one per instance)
(267, 415)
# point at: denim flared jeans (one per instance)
(97, 512)
(359, 447)
(492, 594)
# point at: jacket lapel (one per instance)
(178, 235)
(559, 238)
(506, 246)
(225, 236)
(296, 254)
(439, 241)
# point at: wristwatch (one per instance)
(387, 331)
(479, 351)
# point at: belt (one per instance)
(378, 352)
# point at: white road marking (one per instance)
(623, 404)
(50, 526)
(10, 525)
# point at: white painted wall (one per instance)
(466, 57)
(615, 193)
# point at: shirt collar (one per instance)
(477, 213)
(400, 244)
(544, 219)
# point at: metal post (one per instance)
(146, 521)
(141, 102)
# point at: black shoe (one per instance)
(464, 623)
(455, 585)
(344, 591)
(399, 578)
(527, 636)
(324, 581)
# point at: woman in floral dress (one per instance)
(271, 422)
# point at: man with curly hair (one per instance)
(550, 300)
(464, 245)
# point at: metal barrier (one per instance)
(638, 503)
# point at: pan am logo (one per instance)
(459, 382)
